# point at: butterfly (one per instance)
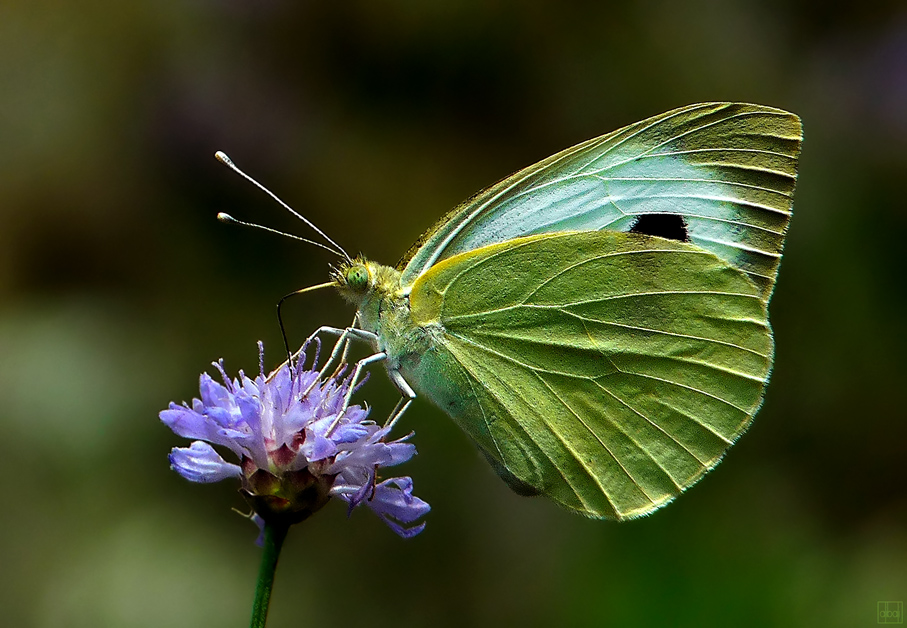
(597, 322)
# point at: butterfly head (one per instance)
(365, 284)
(354, 279)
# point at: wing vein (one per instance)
(667, 333)
(612, 297)
(490, 391)
(578, 458)
(691, 389)
(657, 427)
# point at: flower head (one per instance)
(297, 443)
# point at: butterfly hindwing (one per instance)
(723, 172)
(607, 370)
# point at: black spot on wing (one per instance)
(670, 226)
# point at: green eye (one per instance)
(357, 277)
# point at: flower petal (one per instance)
(397, 453)
(201, 463)
(292, 423)
(318, 448)
(348, 432)
(395, 503)
(185, 422)
(257, 520)
(372, 454)
(212, 393)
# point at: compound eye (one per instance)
(357, 277)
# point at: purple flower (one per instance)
(297, 445)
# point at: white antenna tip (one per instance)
(221, 156)
(221, 216)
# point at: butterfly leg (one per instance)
(353, 382)
(342, 344)
(343, 341)
(346, 348)
(408, 395)
(357, 372)
(344, 335)
(394, 416)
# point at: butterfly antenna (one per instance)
(223, 217)
(222, 157)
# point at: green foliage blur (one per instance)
(118, 287)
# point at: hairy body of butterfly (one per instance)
(597, 323)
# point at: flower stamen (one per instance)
(296, 450)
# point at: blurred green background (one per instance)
(117, 287)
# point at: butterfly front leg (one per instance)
(345, 334)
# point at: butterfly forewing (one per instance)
(726, 170)
(607, 370)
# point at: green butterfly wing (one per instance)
(606, 370)
(727, 169)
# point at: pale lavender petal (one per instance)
(212, 393)
(397, 453)
(185, 422)
(305, 379)
(320, 426)
(231, 433)
(201, 463)
(357, 476)
(250, 387)
(223, 417)
(334, 398)
(348, 432)
(406, 533)
(257, 520)
(394, 502)
(250, 409)
(296, 418)
(354, 485)
(382, 454)
(318, 448)
(356, 414)
(395, 497)
(280, 388)
(356, 498)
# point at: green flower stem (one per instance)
(274, 536)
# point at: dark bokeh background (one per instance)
(117, 287)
